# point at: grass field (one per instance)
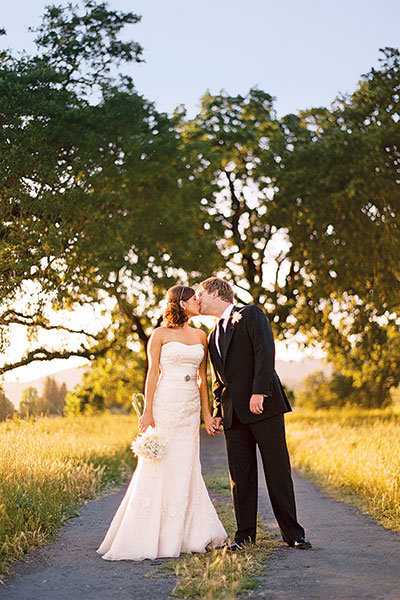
(49, 467)
(354, 454)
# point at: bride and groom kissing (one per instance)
(166, 509)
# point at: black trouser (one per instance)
(241, 443)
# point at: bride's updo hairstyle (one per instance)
(174, 315)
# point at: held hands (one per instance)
(218, 423)
(145, 421)
(212, 425)
(256, 404)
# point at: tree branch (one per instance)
(41, 354)
(236, 209)
(126, 308)
(267, 239)
(17, 318)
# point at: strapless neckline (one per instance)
(198, 344)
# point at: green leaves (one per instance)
(307, 210)
(84, 45)
(104, 198)
(96, 199)
(342, 175)
(229, 149)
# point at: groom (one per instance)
(249, 400)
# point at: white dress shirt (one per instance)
(224, 318)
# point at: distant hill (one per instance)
(291, 373)
(71, 377)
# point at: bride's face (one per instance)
(206, 302)
(191, 306)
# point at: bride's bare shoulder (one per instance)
(202, 336)
(158, 334)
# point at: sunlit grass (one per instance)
(354, 453)
(219, 574)
(49, 467)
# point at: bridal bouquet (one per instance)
(150, 445)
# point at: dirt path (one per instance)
(353, 558)
(70, 568)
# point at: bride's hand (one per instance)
(210, 425)
(145, 421)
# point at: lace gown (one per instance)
(166, 509)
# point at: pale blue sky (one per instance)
(302, 52)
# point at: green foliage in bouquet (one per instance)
(138, 403)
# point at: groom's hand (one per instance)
(212, 425)
(218, 422)
(257, 404)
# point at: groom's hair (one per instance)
(215, 284)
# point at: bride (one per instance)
(166, 509)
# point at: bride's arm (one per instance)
(208, 419)
(153, 359)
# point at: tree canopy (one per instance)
(95, 195)
(106, 202)
(310, 206)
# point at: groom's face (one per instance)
(206, 301)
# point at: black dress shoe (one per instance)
(299, 543)
(236, 545)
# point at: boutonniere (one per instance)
(236, 317)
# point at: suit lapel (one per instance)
(215, 355)
(229, 333)
(211, 338)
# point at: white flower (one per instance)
(236, 317)
(150, 445)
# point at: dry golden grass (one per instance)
(355, 454)
(49, 467)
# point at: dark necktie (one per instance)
(221, 336)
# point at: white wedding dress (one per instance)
(166, 509)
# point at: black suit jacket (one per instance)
(246, 368)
